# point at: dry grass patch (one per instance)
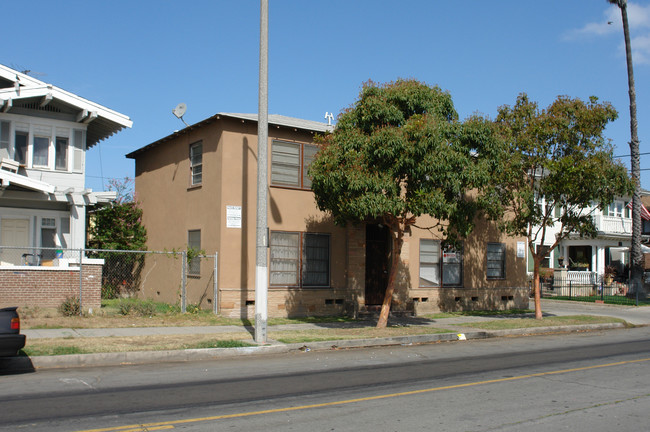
(517, 323)
(38, 347)
(81, 345)
(299, 336)
(43, 318)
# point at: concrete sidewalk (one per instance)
(632, 314)
(639, 316)
(445, 323)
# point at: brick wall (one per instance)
(50, 286)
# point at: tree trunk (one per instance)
(537, 289)
(636, 276)
(398, 240)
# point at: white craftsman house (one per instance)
(610, 248)
(44, 134)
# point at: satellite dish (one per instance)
(179, 111)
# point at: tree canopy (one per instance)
(118, 225)
(398, 153)
(561, 168)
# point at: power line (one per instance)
(640, 154)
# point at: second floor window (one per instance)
(196, 163)
(61, 153)
(41, 151)
(289, 164)
(617, 209)
(20, 148)
(43, 146)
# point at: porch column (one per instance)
(77, 226)
(599, 259)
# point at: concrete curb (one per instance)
(18, 364)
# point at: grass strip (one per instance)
(518, 323)
(303, 336)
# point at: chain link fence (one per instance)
(179, 278)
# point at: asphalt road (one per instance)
(584, 382)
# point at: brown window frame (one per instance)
(301, 260)
(304, 160)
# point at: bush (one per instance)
(70, 307)
(136, 307)
(193, 309)
(110, 291)
(145, 308)
(125, 307)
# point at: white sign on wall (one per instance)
(521, 250)
(233, 216)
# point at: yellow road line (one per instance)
(169, 424)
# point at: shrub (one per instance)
(145, 308)
(136, 307)
(193, 309)
(70, 307)
(125, 307)
(110, 291)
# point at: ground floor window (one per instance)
(496, 261)
(194, 245)
(440, 266)
(32, 238)
(299, 259)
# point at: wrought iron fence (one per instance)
(130, 273)
(591, 288)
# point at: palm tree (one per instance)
(637, 255)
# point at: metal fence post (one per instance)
(183, 281)
(215, 298)
(81, 281)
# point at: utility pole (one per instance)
(261, 266)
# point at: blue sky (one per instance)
(143, 57)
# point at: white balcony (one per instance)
(613, 225)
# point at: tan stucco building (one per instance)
(197, 188)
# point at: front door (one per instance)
(13, 232)
(377, 263)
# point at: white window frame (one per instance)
(442, 260)
(196, 163)
(66, 151)
(44, 129)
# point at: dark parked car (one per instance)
(11, 341)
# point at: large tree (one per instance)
(560, 170)
(635, 165)
(118, 226)
(398, 153)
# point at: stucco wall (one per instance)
(172, 207)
